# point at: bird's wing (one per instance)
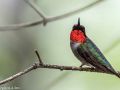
(93, 55)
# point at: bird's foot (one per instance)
(82, 65)
(90, 66)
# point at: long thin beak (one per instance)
(79, 21)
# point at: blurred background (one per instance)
(52, 41)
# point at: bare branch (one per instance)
(37, 65)
(36, 8)
(20, 26)
(17, 75)
(54, 18)
(49, 19)
(42, 65)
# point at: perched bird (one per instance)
(87, 52)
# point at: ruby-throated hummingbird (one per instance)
(87, 52)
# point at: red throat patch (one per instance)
(77, 36)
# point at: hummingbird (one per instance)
(87, 52)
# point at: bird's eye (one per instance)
(82, 26)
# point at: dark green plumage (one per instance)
(93, 55)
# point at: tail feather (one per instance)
(112, 71)
(117, 74)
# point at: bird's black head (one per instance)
(79, 27)
(78, 33)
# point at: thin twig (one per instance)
(40, 60)
(48, 19)
(36, 8)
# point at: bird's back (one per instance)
(95, 54)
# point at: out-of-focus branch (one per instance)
(46, 19)
(40, 64)
(37, 9)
